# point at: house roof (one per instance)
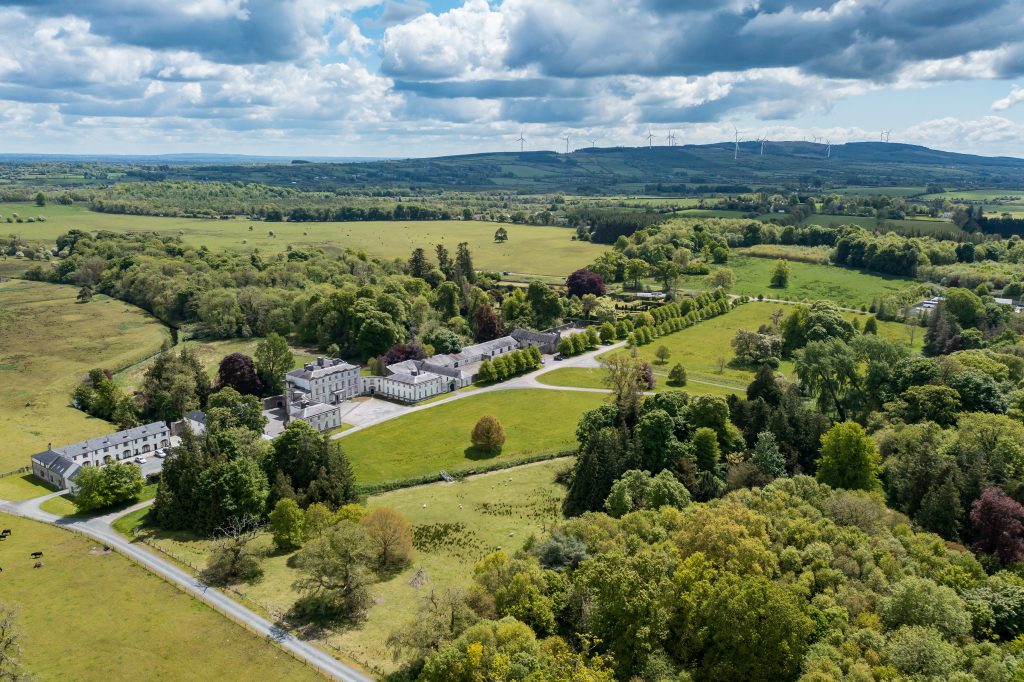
(314, 410)
(57, 463)
(197, 416)
(320, 368)
(521, 334)
(112, 440)
(484, 348)
(414, 379)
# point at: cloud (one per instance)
(1015, 97)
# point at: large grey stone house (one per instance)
(316, 392)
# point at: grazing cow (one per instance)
(106, 548)
(5, 531)
(39, 564)
(36, 555)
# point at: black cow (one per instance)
(36, 555)
(39, 564)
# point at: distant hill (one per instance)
(612, 170)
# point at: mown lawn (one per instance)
(592, 377)
(529, 249)
(458, 523)
(88, 616)
(536, 421)
(47, 344)
(809, 281)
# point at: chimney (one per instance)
(322, 362)
(49, 446)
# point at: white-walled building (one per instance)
(316, 392)
(60, 465)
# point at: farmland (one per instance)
(47, 343)
(429, 440)
(89, 615)
(474, 517)
(808, 281)
(529, 249)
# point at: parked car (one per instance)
(559, 357)
(160, 453)
(140, 460)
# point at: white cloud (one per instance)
(1015, 97)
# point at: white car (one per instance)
(160, 453)
(140, 460)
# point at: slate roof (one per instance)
(321, 368)
(520, 334)
(476, 350)
(58, 464)
(313, 410)
(112, 440)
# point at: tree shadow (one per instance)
(476, 454)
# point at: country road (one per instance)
(99, 528)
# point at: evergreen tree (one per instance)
(765, 386)
(597, 468)
(871, 325)
(940, 330)
(705, 449)
(444, 262)
(767, 457)
(419, 266)
(464, 264)
(677, 375)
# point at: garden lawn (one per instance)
(89, 616)
(592, 377)
(473, 517)
(529, 249)
(48, 342)
(17, 487)
(536, 421)
(809, 281)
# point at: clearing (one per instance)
(47, 344)
(536, 421)
(455, 524)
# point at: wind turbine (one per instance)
(763, 140)
(521, 141)
(736, 148)
(887, 134)
(671, 138)
(593, 143)
(828, 149)
(650, 138)
(566, 144)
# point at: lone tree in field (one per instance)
(488, 435)
(780, 275)
(663, 354)
(390, 537)
(677, 375)
(501, 235)
(85, 294)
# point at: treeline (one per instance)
(605, 225)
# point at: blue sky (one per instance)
(419, 78)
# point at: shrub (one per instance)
(677, 375)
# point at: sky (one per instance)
(408, 78)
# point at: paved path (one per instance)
(99, 529)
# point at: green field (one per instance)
(47, 343)
(924, 226)
(88, 616)
(536, 421)
(809, 281)
(482, 513)
(700, 347)
(593, 377)
(210, 354)
(529, 249)
(64, 506)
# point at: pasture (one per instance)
(89, 615)
(593, 377)
(808, 281)
(455, 524)
(928, 227)
(47, 344)
(536, 421)
(529, 249)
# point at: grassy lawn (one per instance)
(592, 377)
(17, 487)
(809, 281)
(210, 354)
(536, 421)
(47, 343)
(477, 515)
(88, 615)
(529, 249)
(64, 506)
(700, 347)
